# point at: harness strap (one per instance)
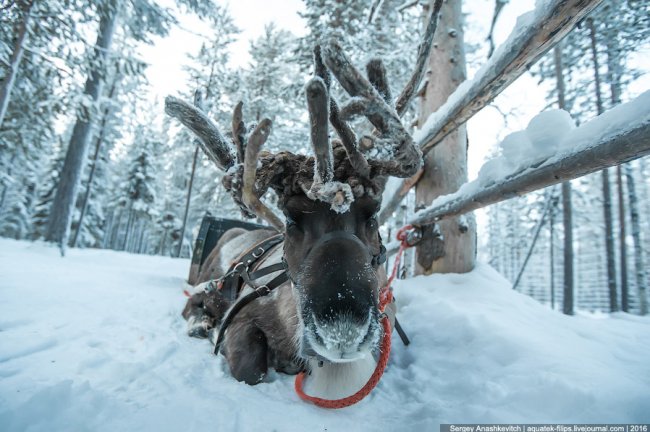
(230, 283)
(258, 292)
(264, 271)
(240, 270)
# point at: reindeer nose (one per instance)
(344, 283)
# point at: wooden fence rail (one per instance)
(522, 49)
(610, 151)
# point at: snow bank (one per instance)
(95, 341)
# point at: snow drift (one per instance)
(95, 341)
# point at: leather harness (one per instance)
(240, 274)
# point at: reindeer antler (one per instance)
(339, 170)
(219, 151)
(212, 142)
(346, 134)
(249, 195)
(394, 151)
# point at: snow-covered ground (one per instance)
(95, 341)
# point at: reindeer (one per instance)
(324, 319)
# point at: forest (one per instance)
(490, 155)
(89, 160)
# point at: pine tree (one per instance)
(140, 191)
(343, 20)
(213, 81)
(140, 20)
(271, 87)
(594, 55)
(23, 9)
(445, 166)
(64, 201)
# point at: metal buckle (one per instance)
(262, 290)
(236, 268)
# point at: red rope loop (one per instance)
(385, 298)
(364, 391)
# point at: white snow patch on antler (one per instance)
(338, 195)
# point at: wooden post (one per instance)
(445, 167)
(509, 64)
(608, 151)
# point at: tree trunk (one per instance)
(614, 79)
(5, 188)
(93, 167)
(567, 216)
(116, 230)
(108, 229)
(9, 80)
(141, 235)
(567, 221)
(531, 248)
(187, 202)
(625, 299)
(163, 240)
(445, 166)
(61, 214)
(609, 243)
(610, 254)
(127, 232)
(551, 229)
(640, 273)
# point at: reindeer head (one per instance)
(332, 245)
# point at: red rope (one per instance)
(365, 390)
(385, 298)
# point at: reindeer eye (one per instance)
(372, 223)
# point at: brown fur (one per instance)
(266, 332)
(262, 335)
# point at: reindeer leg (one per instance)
(202, 311)
(245, 348)
(198, 321)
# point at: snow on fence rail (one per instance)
(536, 32)
(617, 136)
